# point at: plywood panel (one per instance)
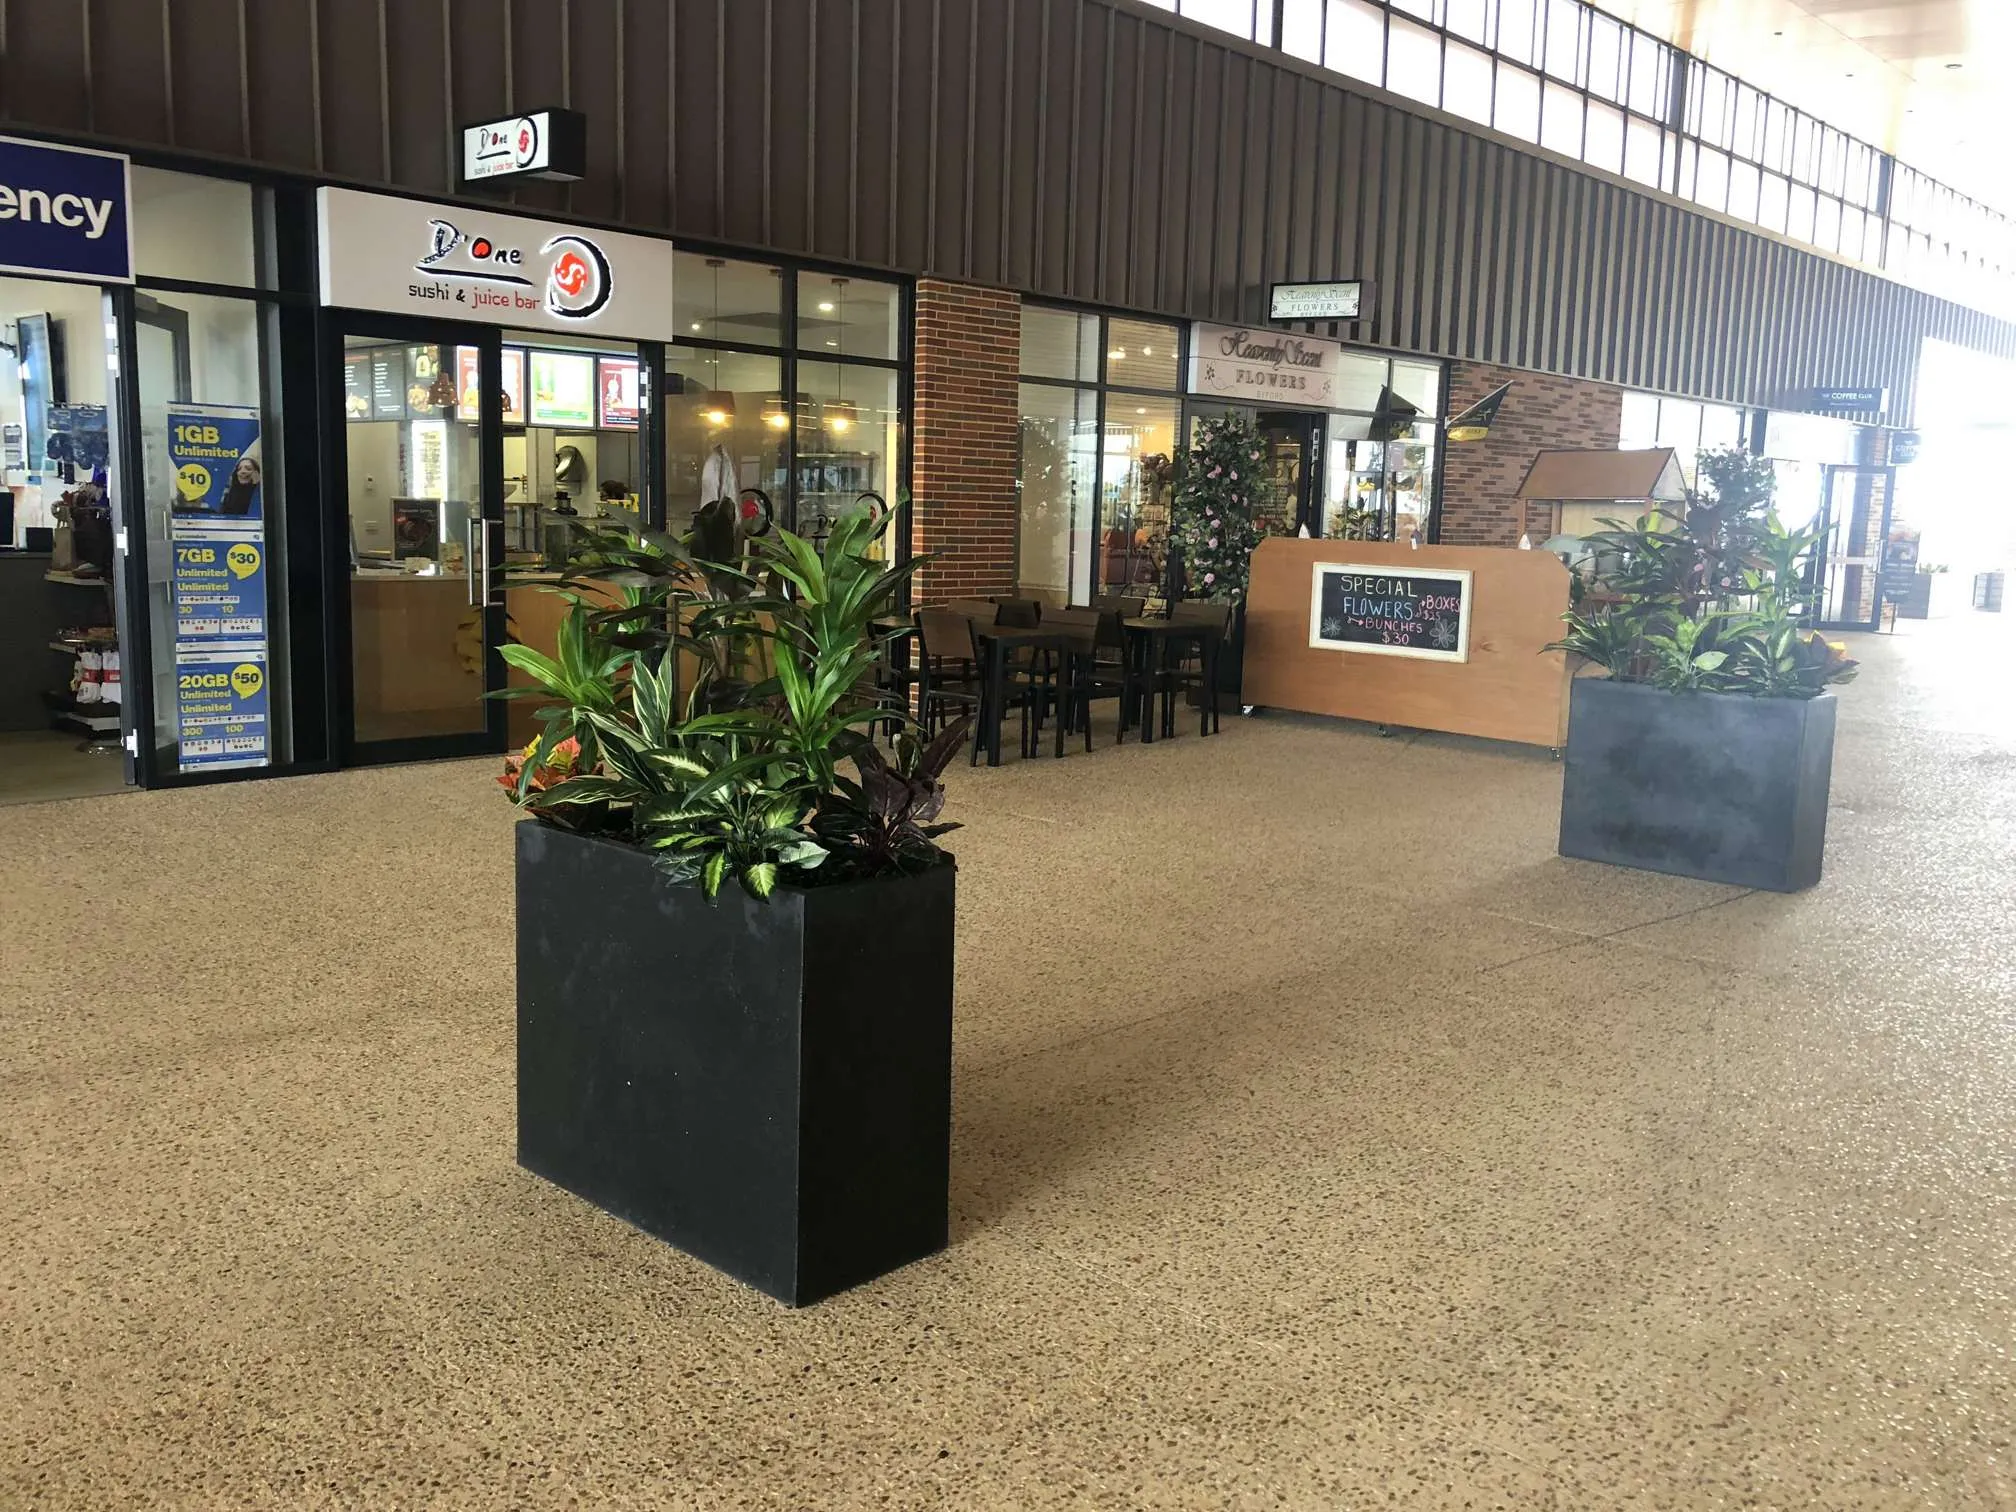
(1509, 689)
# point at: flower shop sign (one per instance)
(1263, 366)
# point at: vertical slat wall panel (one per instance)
(596, 44)
(280, 82)
(353, 116)
(416, 60)
(1098, 150)
(123, 46)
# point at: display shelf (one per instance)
(75, 581)
(92, 719)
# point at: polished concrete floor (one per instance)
(38, 765)
(1323, 1142)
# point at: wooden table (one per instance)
(1148, 642)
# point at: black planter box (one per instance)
(766, 1085)
(1719, 786)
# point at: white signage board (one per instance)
(1317, 301)
(412, 257)
(1263, 366)
(523, 146)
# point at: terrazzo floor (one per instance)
(1323, 1141)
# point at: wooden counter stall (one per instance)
(1434, 638)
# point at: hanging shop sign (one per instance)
(65, 211)
(1861, 401)
(415, 258)
(547, 144)
(1904, 446)
(1350, 300)
(1386, 612)
(1475, 423)
(1236, 362)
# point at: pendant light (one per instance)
(841, 415)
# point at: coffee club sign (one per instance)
(1267, 366)
(415, 258)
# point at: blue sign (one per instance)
(221, 708)
(220, 587)
(214, 449)
(65, 211)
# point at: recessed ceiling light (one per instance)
(826, 308)
(696, 325)
(832, 343)
(1142, 411)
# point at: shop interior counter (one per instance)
(1429, 638)
(417, 651)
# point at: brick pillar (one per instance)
(1480, 479)
(965, 438)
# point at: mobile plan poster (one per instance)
(219, 581)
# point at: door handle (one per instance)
(470, 552)
(489, 592)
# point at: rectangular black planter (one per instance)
(766, 1085)
(1719, 786)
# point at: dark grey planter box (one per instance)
(766, 1086)
(1719, 786)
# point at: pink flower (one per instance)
(1235, 477)
(1214, 543)
(1210, 578)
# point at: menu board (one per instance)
(563, 390)
(388, 384)
(617, 381)
(357, 387)
(469, 387)
(1384, 611)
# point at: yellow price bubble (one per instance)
(246, 679)
(243, 560)
(193, 482)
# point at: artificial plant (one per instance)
(1707, 598)
(738, 773)
(1222, 488)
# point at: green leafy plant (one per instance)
(1222, 489)
(1707, 597)
(735, 773)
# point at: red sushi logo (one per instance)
(579, 281)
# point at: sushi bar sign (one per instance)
(1269, 367)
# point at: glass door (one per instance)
(1294, 469)
(422, 469)
(1854, 523)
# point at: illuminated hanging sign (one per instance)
(1320, 301)
(547, 144)
(415, 258)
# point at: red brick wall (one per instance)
(1480, 479)
(965, 440)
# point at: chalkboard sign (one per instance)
(1385, 611)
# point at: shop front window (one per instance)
(211, 484)
(1057, 480)
(1136, 489)
(203, 230)
(719, 299)
(727, 429)
(849, 436)
(1061, 344)
(848, 316)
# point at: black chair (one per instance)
(1194, 661)
(948, 664)
(1074, 668)
(1018, 613)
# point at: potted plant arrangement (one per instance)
(1707, 750)
(734, 958)
(1213, 523)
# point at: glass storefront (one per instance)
(1100, 417)
(1106, 421)
(271, 626)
